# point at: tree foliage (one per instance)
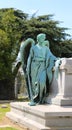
(10, 33)
(55, 34)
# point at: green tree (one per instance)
(10, 33)
(55, 34)
(66, 50)
(5, 66)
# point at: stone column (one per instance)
(61, 89)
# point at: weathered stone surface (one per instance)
(41, 117)
(61, 89)
(67, 65)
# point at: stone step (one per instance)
(31, 124)
(41, 117)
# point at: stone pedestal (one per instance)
(41, 117)
(61, 88)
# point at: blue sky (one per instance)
(61, 9)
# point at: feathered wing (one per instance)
(24, 54)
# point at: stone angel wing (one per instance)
(24, 54)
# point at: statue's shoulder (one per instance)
(34, 46)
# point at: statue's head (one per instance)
(41, 37)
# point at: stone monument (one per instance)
(56, 113)
(61, 89)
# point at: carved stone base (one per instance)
(41, 117)
(59, 100)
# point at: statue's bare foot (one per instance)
(32, 103)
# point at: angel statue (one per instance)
(37, 63)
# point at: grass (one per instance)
(4, 110)
(23, 99)
(2, 114)
(8, 128)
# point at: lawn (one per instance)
(3, 110)
(8, 128)
(4, 121)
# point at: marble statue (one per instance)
(37, 63)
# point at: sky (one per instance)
(61, 9)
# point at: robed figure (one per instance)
(37, 62)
